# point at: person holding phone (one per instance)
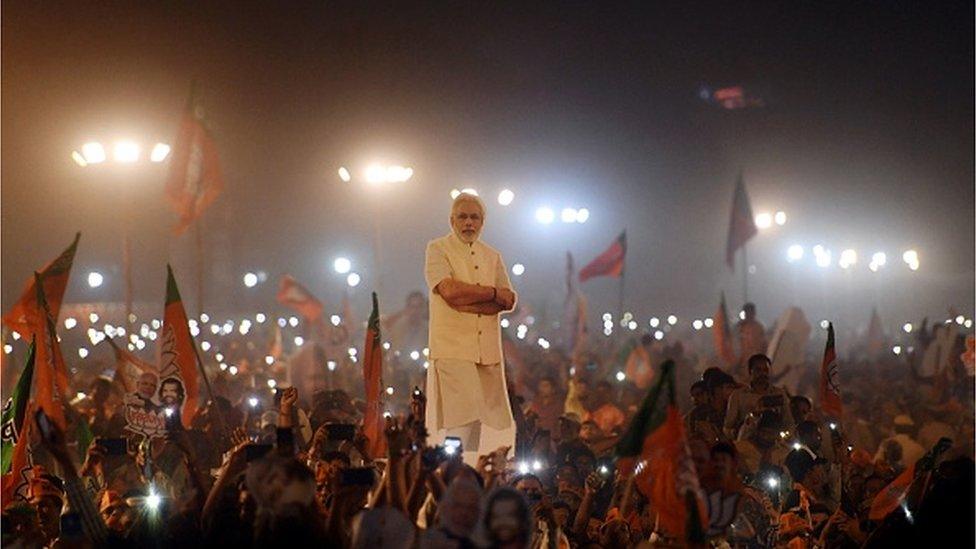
(759, 396)
(469, 288)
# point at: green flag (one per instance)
(13, 411)
(651, 415)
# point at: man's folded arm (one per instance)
(492, 308)
(459, 294)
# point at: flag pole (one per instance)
(745, 275)
(206, 381)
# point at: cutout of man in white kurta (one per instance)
(469, 287)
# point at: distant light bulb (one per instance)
(794, 253)
(518, 269)
(505, 197)
(582, 215)
(353, 280)
(764, 220)
(250, 280)
(621, 376)
(780, 218)
(672, 320)
(568, 215)
(95, 279)
(545, 215)
(345, 175)
(342, 265)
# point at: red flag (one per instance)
(194, 180)
(742, 226)
(829, 388)
(891, 496)
(25, 315)
(294, 295)
(51, 374)
(177, 357)
(722, 335)
(609, 263)
(372, 376)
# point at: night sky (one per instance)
(865, 140)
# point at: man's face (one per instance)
(545, 388)
(531, 488)
(568, 430)
(170, 394)
(504, 521)
(49, 514)
(699, 396)
(146, 385)
(759, 372)
(467, 220)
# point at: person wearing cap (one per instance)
(469, 288)
(763, 447)
(911, 451)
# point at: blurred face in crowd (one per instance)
(561, 514)
(49, 515)
(568, 430)
(545, 388)
(504, 523)
(699, 396)
(759, 372)
(146, 385)
(722, 465)
(531, 488)
(589, 431)
(116, 517)
(467, 219)
(567, 478)
(461, 515)
(801, 409)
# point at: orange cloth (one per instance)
(607, 417)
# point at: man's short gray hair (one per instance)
(466, 197)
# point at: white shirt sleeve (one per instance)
(436, 265)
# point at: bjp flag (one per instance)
(178, 378)
(609, 263)
(372, 378)
(891, 496)
(25, 316)
(294, 295)
(829, 384)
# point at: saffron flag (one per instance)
(609, 263)
(124, 362)
(742, 226)
(891, 496)
(194, 180)
(722, 334)
(372, 376)
(25, 316)
(655, 449)
(51, 385)
(829, 384)
(177, 357)
(294, 295)
(14, 412)
(16, 482)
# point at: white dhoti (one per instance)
(469, 401)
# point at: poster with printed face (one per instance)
(143, 413)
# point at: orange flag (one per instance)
(178, 386)
(294, 295)
(16, 482)
(51, 374)
(829, 387)
(123, 360)
(25, 316)
(194, 180)
(891, 496)
(372, 376)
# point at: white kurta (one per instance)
(466, 391)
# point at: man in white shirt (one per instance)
(469, 287)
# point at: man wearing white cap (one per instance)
(469, 288)
(911, 451)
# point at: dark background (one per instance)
(865, 140)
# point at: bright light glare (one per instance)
(125, 151)
(353, 280)
(250, 280)
(772, 482)
(659, 335)
(94, 152)
(153, 500)
(697, 324)
(299, 341)
(344, 174)
(518, 269)
(824, 259)
(79, 158)
(672, 320)
(342, 265)
(582, 215)
(569, 215)
(455, 193)
(654, 322)
(780, 218)
(95, 279)
(907, 327)
(375, 174)
(824, 324)
(469, 190)
(389, 390)
(545, 215)
(764, 220)
(159, 152)
(794, 253)
(70, 323)
(335, 320)
(506, 197)
(848, 258)
(910, 256)
(621, 376)
(82, 352)
(709, 322)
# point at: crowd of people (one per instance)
(276, 454)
